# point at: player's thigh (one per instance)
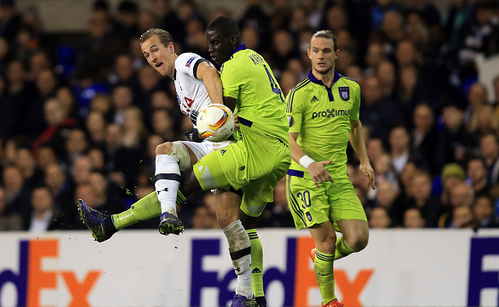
(345, 203)
(308, 205)
(201, 149)
(222, 169)
(259, 192)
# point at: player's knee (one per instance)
(358, 241)
(164, 148)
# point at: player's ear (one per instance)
(336, 54)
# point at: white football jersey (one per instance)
(191, 94)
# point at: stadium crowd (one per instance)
(83, 120)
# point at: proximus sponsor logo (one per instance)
(331, 113)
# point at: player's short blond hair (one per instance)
(327, 34)
(164, 36)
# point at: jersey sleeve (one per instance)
(355, 114)
(187, 63)
(231, 81)
(294, 111)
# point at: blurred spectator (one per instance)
(452, 175)
(424, 138)
(76, 145)
(463, 217)
(375, 148)
(379, 218)
(46, 156)
(453, 139)
(56, 181)
(81, 170)
(97, 160)
(10, 20)
(410, 92)
(399, 140)
(480, 37)
(457, 14)
(255, 17)
(489, 149)
(477, 173)
(484, 212)
(68, 103)
(288, 81)
(12, 221)
(164, 124)
(95, 125)
(385, 71)
(161, 100)
(284, 49)
(122, 98)
(17, 193)
(204, 218)
(32, 174)
(483, 120)
(59, 126)
(413, 218)
(376, 112)
(477, 96)
(384, 169)
(108, 196)
(102, 45)
(460, 196)
(45, 215)
(374, 56)
(387, 196)
(422, 198)
(134, 128)
(128, 19)
(123, 72)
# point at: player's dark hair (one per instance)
(164, 36)
(224, 26)
(327, 34)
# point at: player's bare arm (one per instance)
(211, 80)
(316, 169)
(359, 145)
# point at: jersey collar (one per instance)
(315, 80)
(239, 48)
(312, 78)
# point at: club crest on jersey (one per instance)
(189, 62)
(344, 93)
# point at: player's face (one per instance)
(159, 56)
(322, 54)
(220, 47)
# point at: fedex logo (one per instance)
(30, 279)
(484, 272)
(296, 279)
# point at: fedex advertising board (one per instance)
(143, 268)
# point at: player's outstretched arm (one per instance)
(316, 169)
(211, 79)
(359, 145)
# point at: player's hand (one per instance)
(193, 135)
(319, 173)
(367, 170)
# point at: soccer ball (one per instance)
(215, 122)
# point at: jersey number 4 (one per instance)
(273, 84)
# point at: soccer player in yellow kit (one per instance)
(323, 114)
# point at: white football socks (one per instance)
(167, 181)
(240, 252)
